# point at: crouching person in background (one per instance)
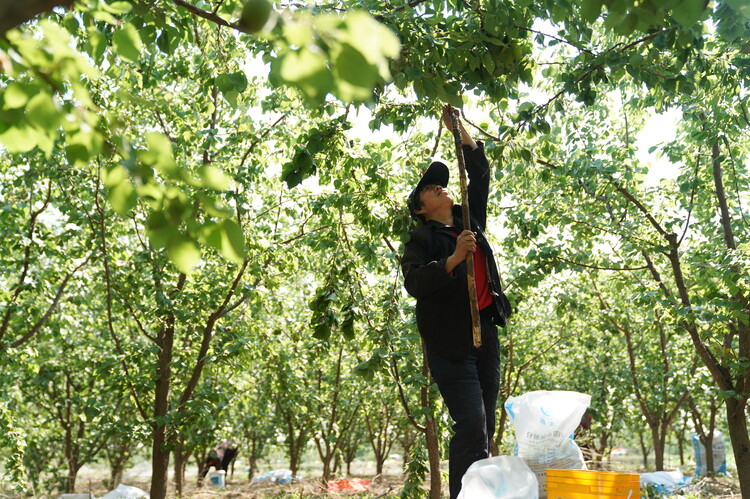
(220, 458)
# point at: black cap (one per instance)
(436, 174)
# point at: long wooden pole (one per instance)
(473, 304)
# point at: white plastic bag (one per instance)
(544, 422)
(720, 458)
(276, 476)
(499, 477)
(664, 481)
(125, 492)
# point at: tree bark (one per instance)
(736, 403)
(473, 304)
(644, 450)
(433, 455)
(14, 13)
(181, 457)
(738, 434)
(659, 434)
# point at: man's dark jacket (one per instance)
(443, 314)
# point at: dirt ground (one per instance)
(386, 486)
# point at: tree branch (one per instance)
(208, 330)
(26, 258)
(209, 16)
(108, 283)
(51, 308)
(561, 40)
(14, 12)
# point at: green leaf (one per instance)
(127, 43)
(19, 138)
(232, 242)
(741, 6)
(213, 178)
(15, 96)
(591, 9)
(355, 77)
(159, 154)
(122, 197)
(308, 72)
(373, 39)
(689, 11)
(77, 154)
(118, 8)
(97, 44)
(163, 42)
(159, 230)
(184, 253)
(231, 85)
(42, 112)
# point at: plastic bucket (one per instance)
(217, 478)
(583, 484)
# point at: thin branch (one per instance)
(217, 7)
(108, 283)
(262, 136)
(437, 138)
(481, 130)
(209, 16)
(26, 257)
(51, 308)
(164, 127)
(744, 113)
(595, 267)
(736, 187)
(411, 5)
(207, 335)
(138, 322)
(303, 233)
(692, 197)
(561, 40)
(640, 207)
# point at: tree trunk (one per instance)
(433, 453)
(659, 438)
(499, 431)
(160, 449)
(294, 455)
(180, 461)
(71, 480)
(407, 445)
(159, 463)
(600, 450)
(737, 422)
(708, 444)
(680, 447)
(251, 465)
(115, 474)
(327, 468)
(379, 462)
(644, 450)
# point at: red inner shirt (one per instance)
(484, 298)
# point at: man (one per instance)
(220, 458)
(435, 274)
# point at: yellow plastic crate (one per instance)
(583, 484)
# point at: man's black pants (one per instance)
(469, 389)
